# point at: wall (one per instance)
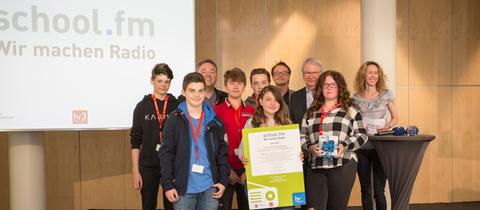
(438, 88)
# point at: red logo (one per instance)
(79, 116)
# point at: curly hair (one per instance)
(344, 99)
(281, 117)
(360, 84)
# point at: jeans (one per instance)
(330, 188)
(368, 159)
(197, 201)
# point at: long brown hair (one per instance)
(344, 99)
(281, 117)
(360, 84)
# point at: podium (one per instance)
(401, 157)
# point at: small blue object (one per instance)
(398, 131)
(298, 199)
(328, 147)
(412, 130)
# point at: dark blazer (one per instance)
(298, 105)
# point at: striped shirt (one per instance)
(348, 127)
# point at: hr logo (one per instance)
(79, 117)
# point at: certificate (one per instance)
(274, 169)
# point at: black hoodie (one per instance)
(145, 130)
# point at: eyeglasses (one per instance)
(331, 85)
(281, 73)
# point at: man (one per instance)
(213, 96)
(146, 136)
(303, 98)
(234, 113)
(259, 78)
(194, 154)
(281, 77)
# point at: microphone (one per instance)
(385, 133)
(398, 131)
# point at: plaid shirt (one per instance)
(350, 131)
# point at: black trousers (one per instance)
(368, 160)
(240, 189)
(330, 188)
(151, 184)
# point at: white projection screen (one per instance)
(72, 65)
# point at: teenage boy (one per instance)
(234, 113)
(194, 153)
(146, 136)
(259, 78)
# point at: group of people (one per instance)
(192, 145)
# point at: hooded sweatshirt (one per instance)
(145, 132)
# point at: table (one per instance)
(401, 157)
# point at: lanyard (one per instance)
(162, 117)
(196, 133)
(320, 129)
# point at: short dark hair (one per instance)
(281, 63)
(191, 78)
(259, 71)
(236, 75)
(208, 60)
(161, 68)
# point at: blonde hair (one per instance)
(360, 84)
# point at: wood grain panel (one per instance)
(242, 36)
(430, 46)
(205, 29)
(402, 101)
(290, 35)
(338, 34)
(102, 162)
(402, 42)
(466, 42)
(466, 149)
(430, 112)
(62, 162)
(4, 172)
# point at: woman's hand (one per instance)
(316, 150)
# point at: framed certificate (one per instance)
(274, 169)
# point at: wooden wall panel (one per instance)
(241, 36)
(466, 147)
(402, 42)
(290, 35)
(62, 162)
(433, 183)
(103, 172)
(206, 29)
(4, 176)
(466, 42)
(338, 34)
(430, 46)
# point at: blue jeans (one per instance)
(197, 201)
(283, 208)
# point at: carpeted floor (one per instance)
(439, 206)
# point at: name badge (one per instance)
(197, 168)
(158, 147)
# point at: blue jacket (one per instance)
(175, 151)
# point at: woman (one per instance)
(270, 112)
(374, 102)
(331, 116)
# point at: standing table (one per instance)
(401, 157)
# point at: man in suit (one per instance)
(303, 98)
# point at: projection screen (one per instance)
(70, 65)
